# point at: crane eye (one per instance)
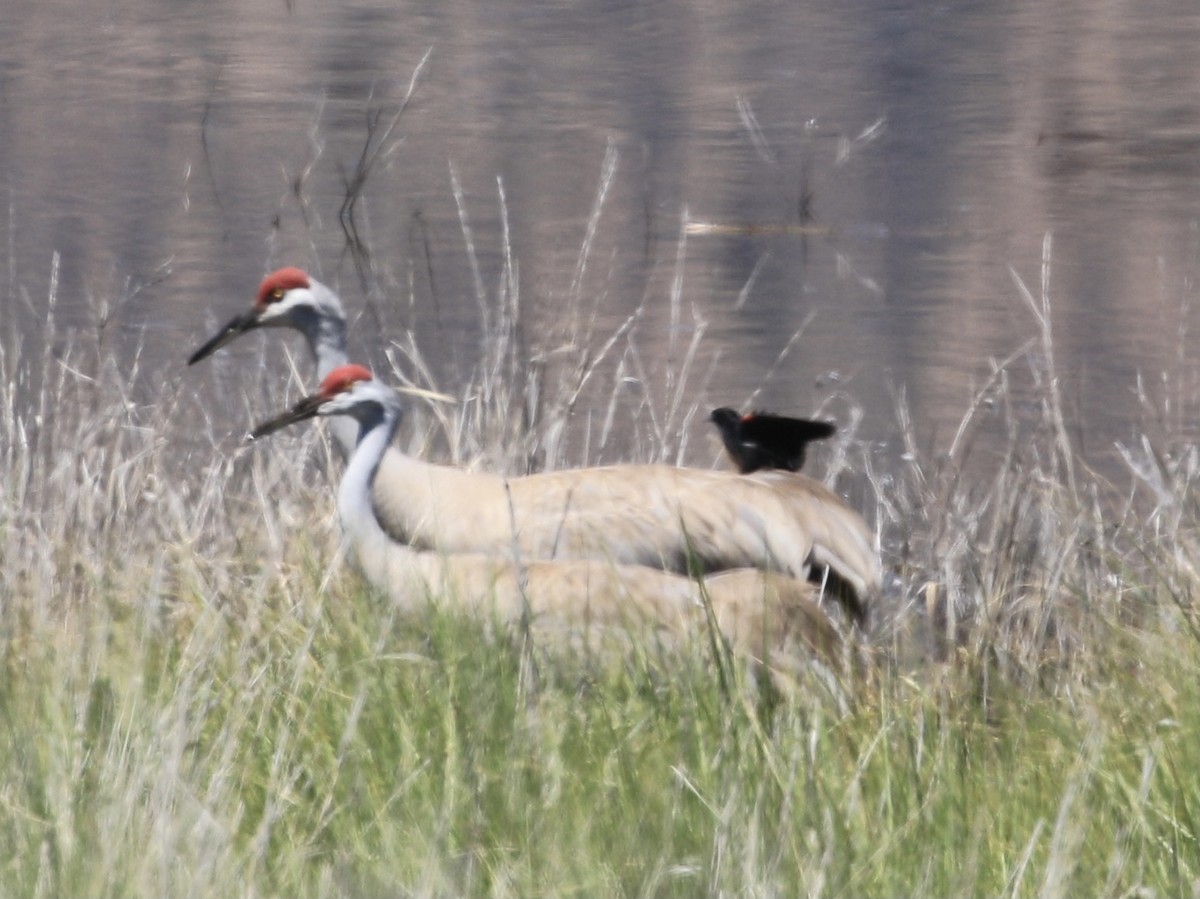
(277, 294)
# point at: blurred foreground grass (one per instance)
(322, 747)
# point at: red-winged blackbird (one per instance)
(762, 440)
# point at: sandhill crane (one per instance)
(762, 440)
(680, 519)
(764, 615)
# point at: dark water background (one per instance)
(871, 172)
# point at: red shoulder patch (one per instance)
(279, 282)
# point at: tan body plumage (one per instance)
(769, 617)
(677, 519)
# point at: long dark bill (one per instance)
(247, 321)
(306, 408)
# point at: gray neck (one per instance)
(326, 337)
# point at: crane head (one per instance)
(762, 440)
(343, 389)
(287, 297)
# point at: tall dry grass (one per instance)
(198, 698)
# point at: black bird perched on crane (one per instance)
(762, 440)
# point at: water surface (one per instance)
(872, 173)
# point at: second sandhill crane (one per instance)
(678, 519)
(760, 440)
(763, 615)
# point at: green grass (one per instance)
(198, 699)
(328, 748)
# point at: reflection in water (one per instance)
(867, 178)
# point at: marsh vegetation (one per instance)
(199, 698)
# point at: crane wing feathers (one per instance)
(678, 519)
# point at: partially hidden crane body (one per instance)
(768, 617)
